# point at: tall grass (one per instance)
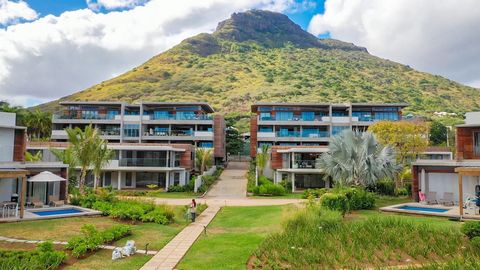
(320, 239)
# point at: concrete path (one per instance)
(173, 252)
(232, 182)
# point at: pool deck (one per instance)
(452, 212)
(29, 214)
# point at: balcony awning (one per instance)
(45, 176)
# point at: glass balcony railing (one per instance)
(319, 134)
(305, 164)
(168, 133)
(143, 162)
(295, 118)
(89, 116)
(111, 132)
(180, 117)
(288, 134)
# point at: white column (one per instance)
(167, 180)
(293, 182)
(423, 183)
(119, 180)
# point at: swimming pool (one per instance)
(423, 209)
(57, 212)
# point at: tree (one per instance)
(357, 158)
(38, 124)
(101, 159)
(33, 158)
(203, 159)
(262, 158)
(83, 145)
(408, 138)
(438, 133)
(234, 141)
(67, 157)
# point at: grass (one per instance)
(174, 195)
(233, 235)
(362, 239)
(286, 196)
(156, 235)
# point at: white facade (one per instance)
(447, 182)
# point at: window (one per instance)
(89, 114)
(476, 145)
(284, 116)
(265, 116)
(392, 116)
(112, 114)
(185, 115)
(308, 116)
(338, 129)
(176, 179)
(131, 130)
(363, 116)
(205, 144)
(161, 115)
(107, 179)
(310, 133)
(128, 179)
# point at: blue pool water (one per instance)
(57, 212)
(424, 209)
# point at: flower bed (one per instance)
(43, 257)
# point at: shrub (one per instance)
(263, 180)
(471, 229)
(358, 198)
(475, 241)
(316, 193)
(269, 189)
(335, 201)
(385, 187)
(133, 193)
(401, 192)
(43, 257)
(130, 210)
(104, 207)
(161, 215)
(176, 188)
(91, 238)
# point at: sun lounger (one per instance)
(447, 199)
(432, 198)
(36, 202)
(55, 201)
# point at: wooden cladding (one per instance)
(465, 143)
(219, 143)
(253, 136)
(19, 145)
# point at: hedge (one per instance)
(43, 257)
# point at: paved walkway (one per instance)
(173, 252)
(232, 182)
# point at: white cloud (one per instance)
(113, 4)
(58, 55)
(437, 36)
(11, 12)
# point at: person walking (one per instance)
(193, 210)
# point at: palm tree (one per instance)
(262, 160)
(39, 124)
(33, 158)
(84, 146)
(102, 157)
(356, 158)
(67, 157)
(203, 159)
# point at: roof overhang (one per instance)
(205, 106)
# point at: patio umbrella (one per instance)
(46, 176)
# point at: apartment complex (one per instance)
(459, 176)
(298, 133)
(154, 142)
(14, 169)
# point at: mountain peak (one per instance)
(271, 29)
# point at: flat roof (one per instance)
(447, 163)
(92, 102)
(204, 105)
(13, 127)
(304, 150)
(468, 125)
(319, 104)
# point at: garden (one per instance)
(150, 226)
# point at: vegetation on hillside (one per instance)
(263, 56)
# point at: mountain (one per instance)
(264, 56)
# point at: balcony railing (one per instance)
(288, 134)
(143, 162)
(85, 117)
(305, 164)
(168, 133)
(319, 134)
(180, 117)
(295, 118)
(113, 132)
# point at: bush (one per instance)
(475, 241)
(131, 210)
(161, 215)
(176, 188)
(335, 201)
(358, 198)
(104, 207)
(385, 187)
(133, 193)
(315, 193)
(91, 238)
(471, 229)
(263, 180)
(44, 257)
(269, 189)
(401, 192)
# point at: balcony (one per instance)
(305, 164)
(318, 134)
(80, 116)
(178, 117)
(296, 118)
(143, 162)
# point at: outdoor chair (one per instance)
(55, 201)
(36, 202)
(447, 199)
(432, 198)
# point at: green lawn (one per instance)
(102, 259)
(286, 196)
(174, 195)
(233, 235)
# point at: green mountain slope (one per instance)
(263, 56)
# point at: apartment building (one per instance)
(15, 171)
(298, 133)
(460, 176)
(154, 142)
